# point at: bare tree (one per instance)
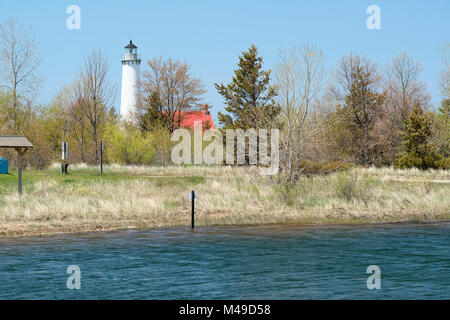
(94, 95)
(442, 125)
(445, 72)
(71, 122)
(358, 91)
(299, 78)
(404, 90)
(19, 65)
(172, 82)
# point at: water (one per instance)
(265, 262)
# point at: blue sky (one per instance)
(210, 35)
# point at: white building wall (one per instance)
(130, 80)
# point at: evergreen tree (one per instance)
(154, 117)
(361, 108)
(419, 152)
(249, 97)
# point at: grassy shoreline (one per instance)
(155, 197)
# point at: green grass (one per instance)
(147, 197)
(8, 182)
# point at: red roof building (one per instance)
(188, 118)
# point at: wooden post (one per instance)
(20, 173)
(20, 153)
(193, 211)
(101, 156)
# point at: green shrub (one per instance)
(127, 145)
(348, 186)
(288, 192)
(160, 136)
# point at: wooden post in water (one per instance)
(193, 211)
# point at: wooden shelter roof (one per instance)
(14, 142)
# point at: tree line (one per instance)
(358, 113)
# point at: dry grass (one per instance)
(147, 197)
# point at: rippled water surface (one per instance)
(264, 262)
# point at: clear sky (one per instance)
(210, 35)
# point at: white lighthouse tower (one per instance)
(130, 82)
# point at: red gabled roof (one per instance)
(188, 118)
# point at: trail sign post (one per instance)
(64, 157)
